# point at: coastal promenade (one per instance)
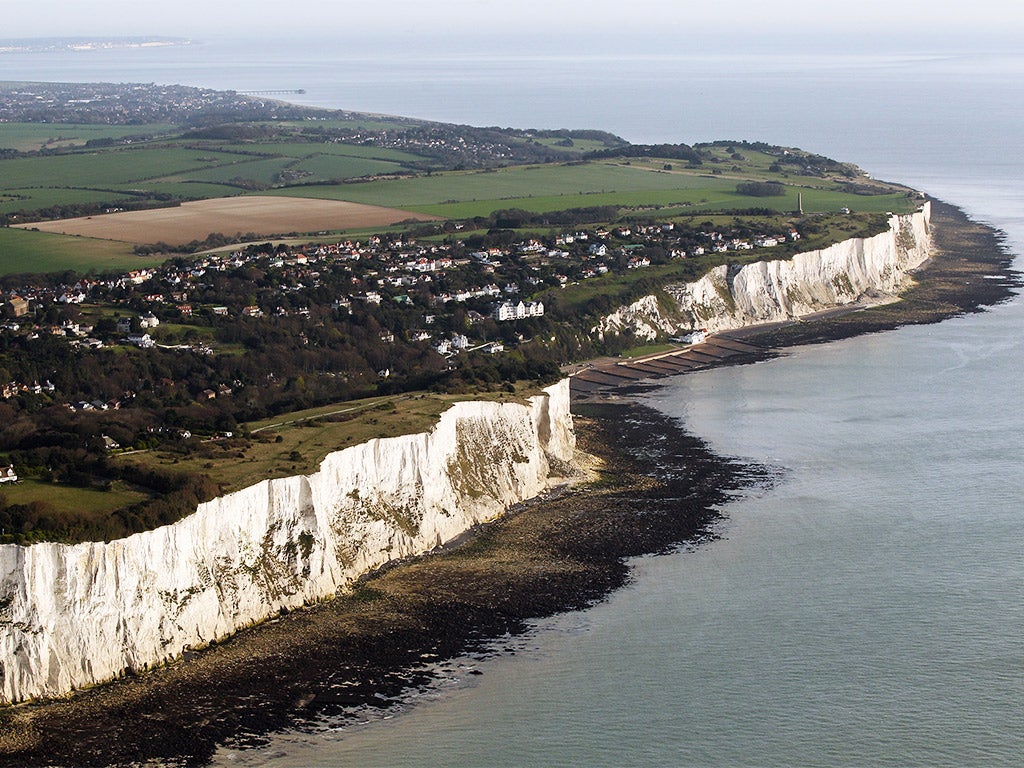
(733, 347)
(599, 376)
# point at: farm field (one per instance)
(262, 215)
(68, 187)
(542, 188)
(677, 202)
(513, 183)
(309, 149)
(164, 169)
(30, 137)
(23, 252)
(106, 168)
(88, 501)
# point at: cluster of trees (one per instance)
(513, 218)
(60, 449)
(761, 189)
(667, 151)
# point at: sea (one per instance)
(868, 608)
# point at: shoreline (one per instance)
(560, 553)
(554, 554)
(968, 253)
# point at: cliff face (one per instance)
(646, 318)
(869, 270)
(71, 616)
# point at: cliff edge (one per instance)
(871, 270)
(73, 616)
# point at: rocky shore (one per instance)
(552, 555)
(655, 487)
(969, 270)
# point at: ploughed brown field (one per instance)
(263, 215)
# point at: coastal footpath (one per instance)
(74, 616)
(858, 271)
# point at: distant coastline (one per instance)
(50, 44)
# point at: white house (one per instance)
(509, 311)
(141, 340)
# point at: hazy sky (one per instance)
(705, 25)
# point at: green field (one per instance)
(307, 436)
(648, 349)
(32, 199)
(177, 169)
(578, 145)
(300, 149)
(106, 168)
(174, 169)
(259, 169)
(515, 183)
(30, 137)
(542, 188)
(27, 251)
(88, 501)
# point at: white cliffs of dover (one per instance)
(73, 616)
(868, 270)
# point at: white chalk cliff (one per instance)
(860, 270)
(72, 616)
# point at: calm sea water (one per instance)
(869, 610)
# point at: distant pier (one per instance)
(271, 93)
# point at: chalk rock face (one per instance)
(645, 318)
(859, 270)
(71, 616)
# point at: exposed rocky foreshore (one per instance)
(967, 270)
(656, 488)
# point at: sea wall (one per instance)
(860, 270)
(72, 616)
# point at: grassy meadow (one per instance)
(296, 443)
(23, 251)
(553, 187)
(31, 137)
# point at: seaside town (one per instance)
(432, 299)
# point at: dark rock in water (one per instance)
(657, 490)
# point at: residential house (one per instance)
(19, 306)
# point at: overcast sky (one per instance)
(706, 25)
